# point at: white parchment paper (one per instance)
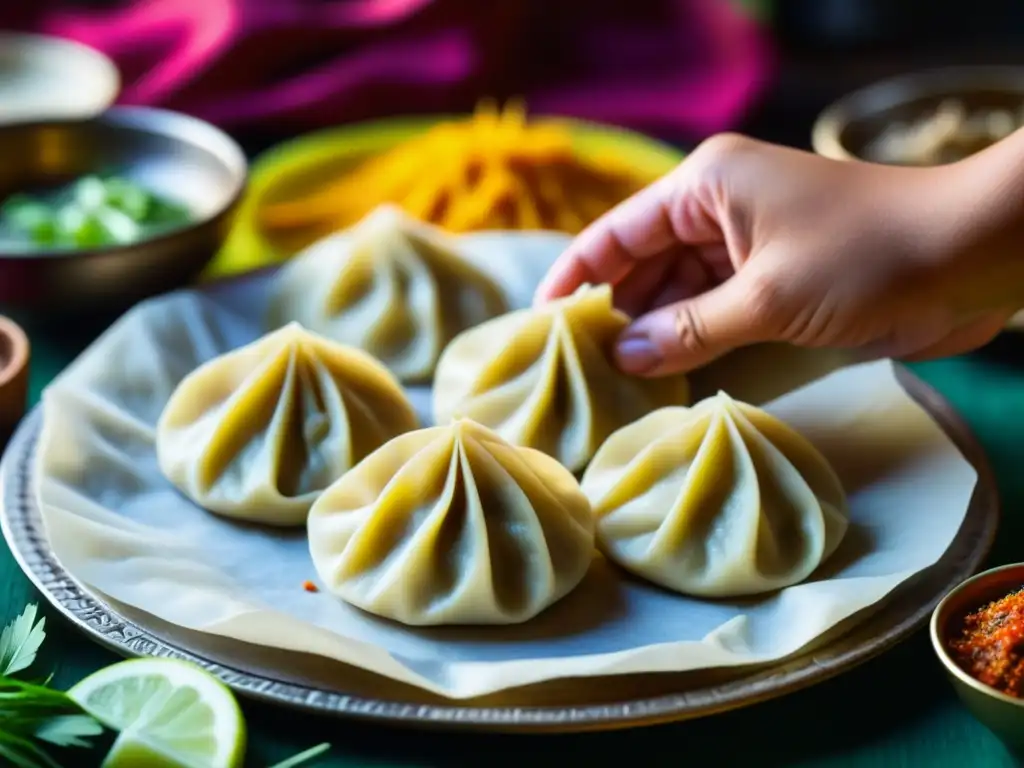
(119, 527)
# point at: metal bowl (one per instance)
(173, 155)
(846, 128)
(1002, 714)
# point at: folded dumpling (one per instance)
(393, 286)
(259, 432)
(453, 525)
(718, 500)
(542, 377)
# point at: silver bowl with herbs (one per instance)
(96, 214)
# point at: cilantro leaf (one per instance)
(20, 641)
(69, 730)
(32, 712)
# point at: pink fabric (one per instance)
(674, 67)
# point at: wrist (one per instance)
(969, 218)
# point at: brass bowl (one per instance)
(848, 126)
(1002, 714)
(178, 157)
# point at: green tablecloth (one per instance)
(895, 711)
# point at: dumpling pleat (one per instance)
(517, 407)
(320, 444)
(413, 343)
(791, 528)
(634, 501)
(358, 285)
(799, 451)
(380, 549)
(521, 571)
(579, 404)
(567, 529)
(452, 562)
(239, 442)
(715, 513)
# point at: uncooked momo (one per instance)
(718, 500)
(259, 432)
(393, 286)
(453, 525)
(542, 377)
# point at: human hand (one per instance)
(748, 242)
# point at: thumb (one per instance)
(690, 333)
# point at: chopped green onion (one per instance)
(90, 192)
(130, 199)
(93, 212)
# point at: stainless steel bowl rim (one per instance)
(164, 122)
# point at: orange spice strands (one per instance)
(991, 646)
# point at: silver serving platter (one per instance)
(322, 686)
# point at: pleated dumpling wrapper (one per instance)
(718, 500)
(260, 431)
(542, 377)
(393, 286)
(453, 525)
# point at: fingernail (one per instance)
(636, 354)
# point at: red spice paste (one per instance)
(991, 645)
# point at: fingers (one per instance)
(607, 250)
(679, 274)
(677, 210)
(633, 294)
(690, 333)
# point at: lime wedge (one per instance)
(170, 714)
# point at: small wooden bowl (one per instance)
(14, 360)
(1001, 714)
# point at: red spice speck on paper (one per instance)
(990, 647)
(309, 586)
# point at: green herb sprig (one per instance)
(33, 715)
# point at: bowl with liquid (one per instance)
(923, 118)
(98, 213)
